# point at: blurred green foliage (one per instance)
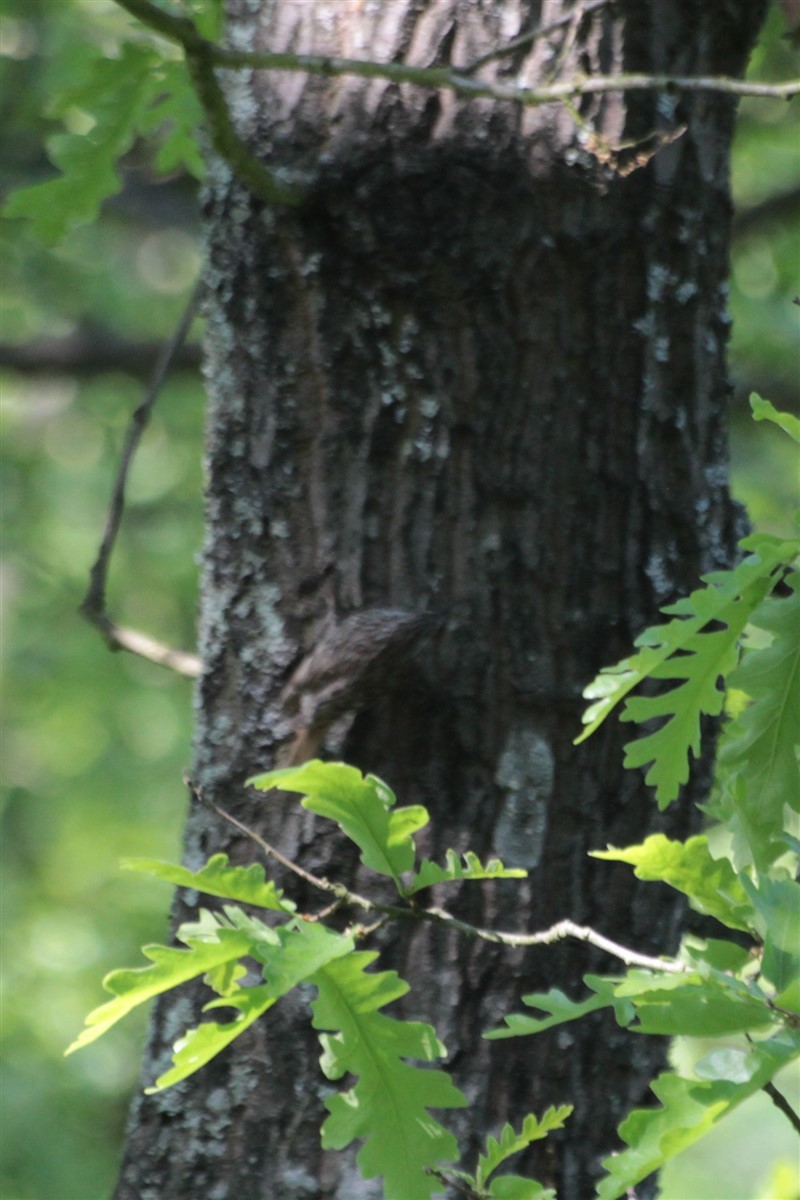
(723, 1166)
(765, 278)
(94, 744)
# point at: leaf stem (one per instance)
(182, 30)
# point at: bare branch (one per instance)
(556, 933)
(93, 606)
(120, 638)
(316, 881)
(90, 352)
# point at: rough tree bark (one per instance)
(479, 374)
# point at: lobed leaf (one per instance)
(217, 878)
(122, 97)
(297, 953)
(199, 1045)
(388, 1106)
(764, 411)
(692, 651)
(777, 906)
(510, 1142)
(715, 953)
(302, 948)
(458, 867)
(362, 807)
(175, 115)
(225, 979)
(169, 967)
(758, 765)
(561, 1009)
(706, 659)
(711, 884)
(695, 1006)
(700, 1003)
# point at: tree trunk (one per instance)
(478, 375)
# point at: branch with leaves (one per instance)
(467, 867)
(158, 91)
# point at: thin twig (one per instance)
(533, 35)
(562, 929)
(204, 56)
(121, 638)
(93, 606)
(556, 933)
(780, 1101)
(451, 1180)
(471, 89)
(183, 31)
(317, 881)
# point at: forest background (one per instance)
(94, 744)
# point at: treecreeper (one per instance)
(352, 664)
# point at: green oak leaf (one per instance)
(218, 878)
(389, 1105)
(710, 883)
(459, 867)
(363, 808)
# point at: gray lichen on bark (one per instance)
(524, 776)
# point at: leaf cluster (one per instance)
(117, 94)
(732, 646)
(388, 1107)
